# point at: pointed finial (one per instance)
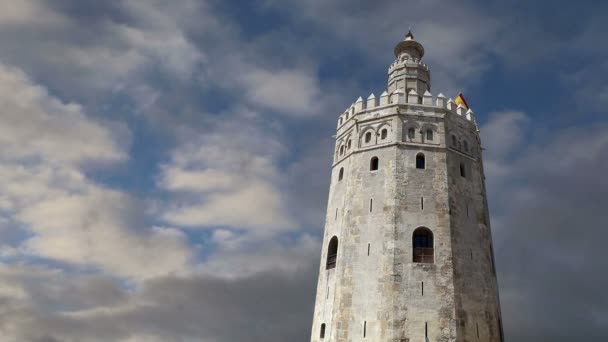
(409, 35)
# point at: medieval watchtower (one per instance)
(407, 252)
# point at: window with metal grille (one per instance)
(422, 242)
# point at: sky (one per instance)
(164, 165)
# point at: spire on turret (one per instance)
(409, 46)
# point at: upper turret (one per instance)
(408, 72)
(411, 48)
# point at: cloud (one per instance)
(548, 227)
(271, 305)
(36, 124)
(44, 146)
(228, 177)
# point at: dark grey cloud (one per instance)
(268, 306)
(549, 230)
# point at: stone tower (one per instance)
(407, 251)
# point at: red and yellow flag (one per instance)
(461, 101)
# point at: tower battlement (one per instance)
(412, 104)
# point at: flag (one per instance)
(461, 101)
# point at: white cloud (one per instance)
(35, 124)
(228, 177)
(68, 217)
(295, 92)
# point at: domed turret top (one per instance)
(410, 47)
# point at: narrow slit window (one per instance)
(336, 214)
(332, 253)
(368, 137)
(384, 134)
(348, 144)
(420, 161)
(373, 164)
(477, 324)
(422, 289)
(368, 248)
(421, 203)
(426, 329)
(341, 150)
(340, 121)
(462, 171)
(364, 329)
(322, 335)
(341, 174)
(371, 204)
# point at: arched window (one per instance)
(463, 173)
(322, 331)
(342, 150)
(346, 118)
(465, 146)
(340, 121)
(422, 243)
(420, 162)
(384, 133)
(411, 133)
(454, 142)
(368, 137)
(341, 174)
(348, 144)
(332, 253)
(373, 164)
(429, 134)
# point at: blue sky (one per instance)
(164, 166)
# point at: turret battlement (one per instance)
(398, 97)
(398, 64)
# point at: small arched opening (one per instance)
(373, 164)
(342, 150)
(341, 174)
(429, 134)
(348, 144)
(383, 134)
(411, 133)
(368, 137)
(420, 161)
(332, 253)
(423, 248)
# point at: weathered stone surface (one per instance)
(376, 288)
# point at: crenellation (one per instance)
(384, 99)
(359, 105)
(427, 98)
(371, 101)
